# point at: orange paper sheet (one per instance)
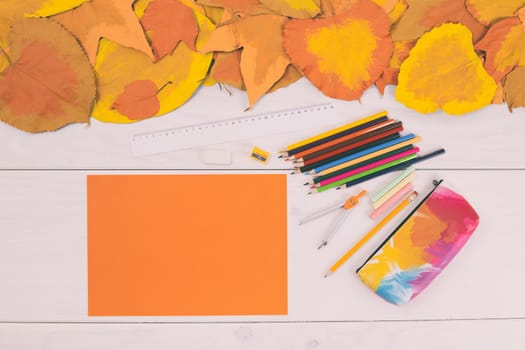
(187, 245)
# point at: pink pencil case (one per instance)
(420, 247)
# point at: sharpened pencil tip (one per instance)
(293, 172)
(281, 156)
(306, 184)
(325, 275)
(323, 243)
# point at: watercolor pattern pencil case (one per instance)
(420, 247)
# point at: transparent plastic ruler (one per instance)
(240, 128)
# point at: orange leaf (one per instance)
(49, 83)
(489, 11)
(169, 22)
(294, 8)
(423, 15)
(227, 69)
(263, 60)
(391, 73)
(504, 45)
(114, 20)
(514, 88)
(291, 75)
(139, 100)
(342, 55)
(250, 7)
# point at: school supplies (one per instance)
(259, 155)
(385, 197)
(420, 247)
(339, 219)
(239, 128)
(371, 233)
(378, 194)
(391, 201)
(187, 245)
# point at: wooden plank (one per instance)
(43, 254)
(451, 335)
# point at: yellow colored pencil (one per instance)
(368, 156)
(334, 131)
(371, 233)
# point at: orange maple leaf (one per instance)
(49, 82)
(139, 100)
(114, 20)
(263, 60)
(344, 54)
(170, 22)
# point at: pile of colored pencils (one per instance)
(354, 153)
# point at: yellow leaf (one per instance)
(514, 88)
(443, 71)
(52, 7)
(181, 72)
(294, 8)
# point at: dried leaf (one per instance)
(394, 8)
(291, 75)
(169, 22)
(504, 45)
(11, 11)
(183, 71)
(249, 7)
(263, 60)
(423, 15)
(49, 83)
(443, 71)
(226, 69)
(294, 8)
(514, 88)
(114, 20)
(399, 55)
(489, 11)
(214, 14)
(139, 100)
(342, 55)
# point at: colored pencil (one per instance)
(318, 178)
(343, 181)
(392, 201)
(304, 168)
(355, 137)
(334, 151)
(395, 168)
(372, 232)
(323, 136)
(396, 148)
(367, 167)
(340, 160)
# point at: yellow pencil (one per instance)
(334, 131)
(372, 232)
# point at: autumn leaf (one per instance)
(263, 60)
(504, 45)
(249, 7)
(49, 82)
(514, 88)
(489, 11)
(399, 55)
(181, 72)
(11, 11)
(290, 76)
(423, 15)
(226, 69)
(114, 20)
(294, 8)
(394, 8)
(344, 54)
(443, 71)
(139, 100)
(214, 14)
(169, 22)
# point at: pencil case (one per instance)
(420, 247)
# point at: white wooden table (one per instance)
(476, 303)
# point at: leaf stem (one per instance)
(6, 55)
(163, 86)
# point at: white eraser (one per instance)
(216, 157)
